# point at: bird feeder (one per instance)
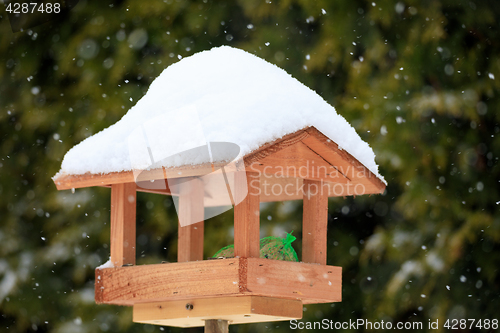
(303, 165)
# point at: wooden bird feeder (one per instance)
(246, 288)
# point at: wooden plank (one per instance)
(275, 146)
(67, 182)
(160, 282)
(284, 189)
(192, 170)
(275, 188)
(198, 312)
(310, 283)
(298, 161)
(345, 163)
(123, 223)
(165, 191)
(192, 313)
(280, 189)
(314, 222)
(190, 238)
(247, 215)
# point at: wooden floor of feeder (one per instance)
(236, 310)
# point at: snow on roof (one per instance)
(224, 94)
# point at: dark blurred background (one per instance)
(419, 80)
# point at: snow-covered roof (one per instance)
(221, 95)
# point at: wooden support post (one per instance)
(191, 209)
(247, 216)
(314, 222)
(123, 212)
(216, 326)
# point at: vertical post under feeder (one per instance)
(216, 326)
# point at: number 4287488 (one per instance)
(456, 324)
(33, 7)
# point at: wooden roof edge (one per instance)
(69, 181)
(376, 181)
(275, 146)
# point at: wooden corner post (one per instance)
(123, 213)
(191, 215)
(247, 215)
(314, 222)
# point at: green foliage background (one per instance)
(419, 80)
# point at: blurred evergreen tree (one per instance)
(419, 80)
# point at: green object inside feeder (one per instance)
(271, 247)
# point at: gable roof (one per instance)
(221, 95)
